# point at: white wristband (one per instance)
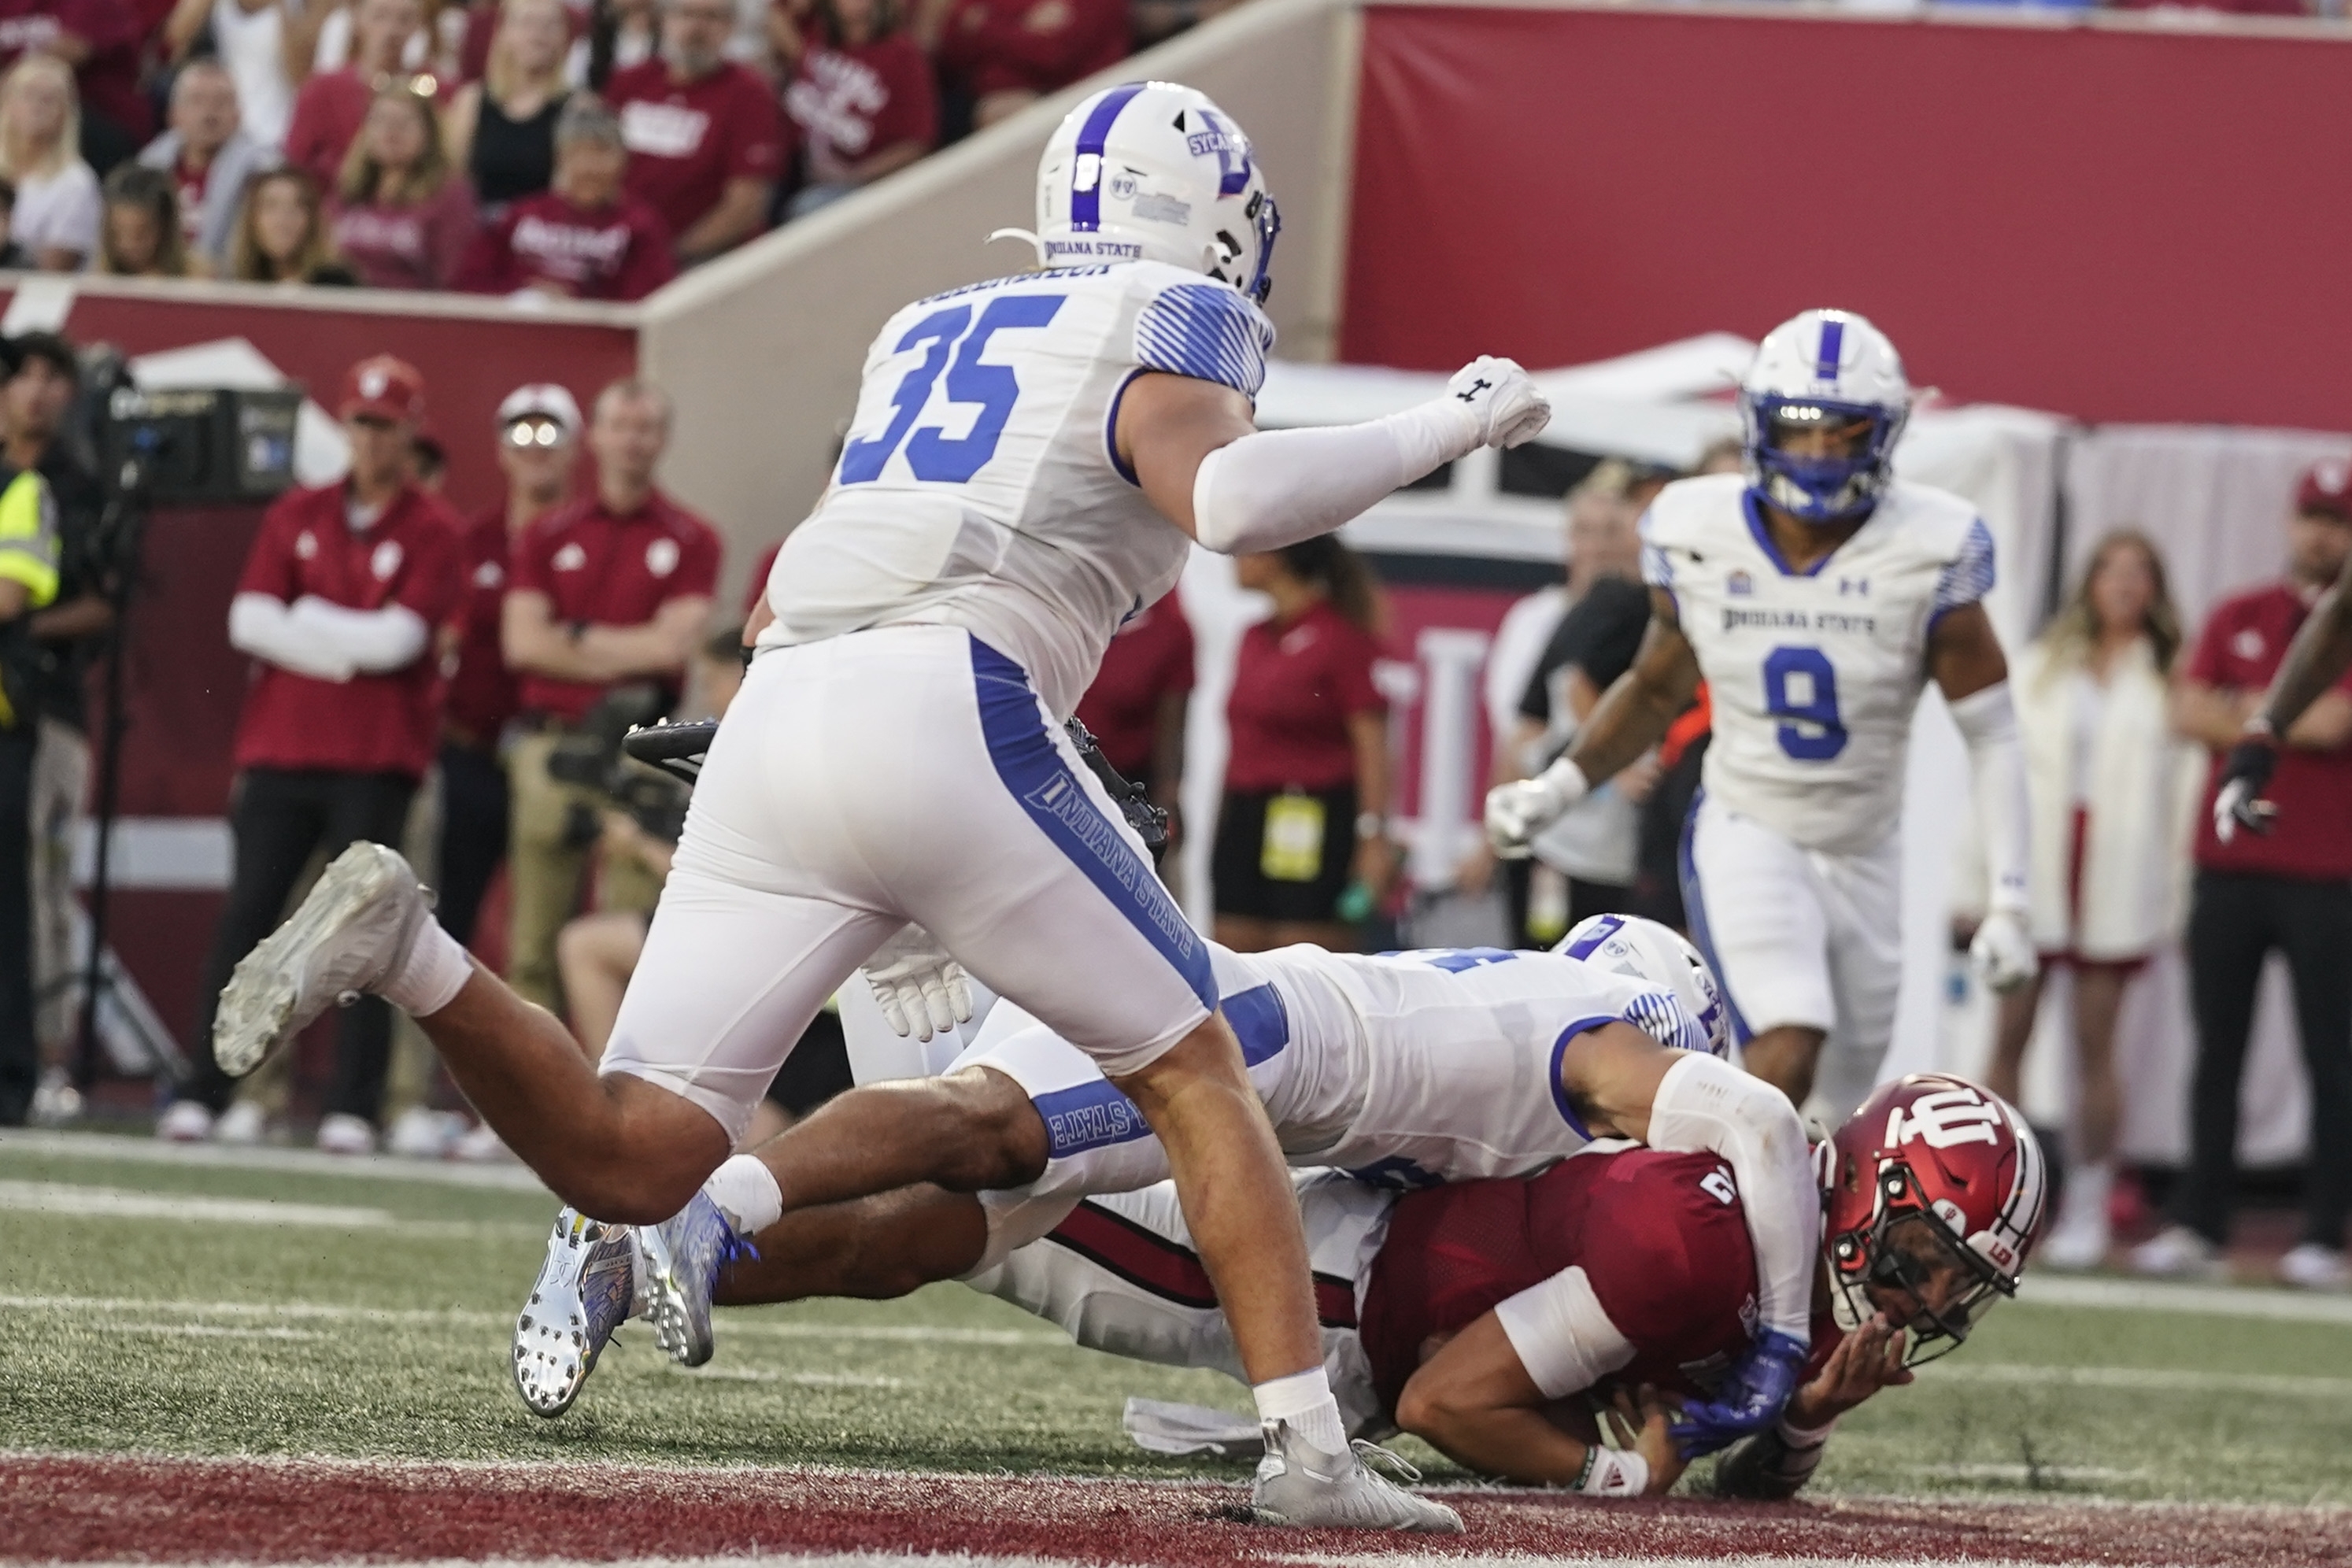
(1612, 1472)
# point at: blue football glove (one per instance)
(1751, 1399)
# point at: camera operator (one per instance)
(615, 587)
(44, 378)
(341, 595)
(597, 952)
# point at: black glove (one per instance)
(2245, 774)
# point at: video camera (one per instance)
(593, 759)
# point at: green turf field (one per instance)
(152, 1305)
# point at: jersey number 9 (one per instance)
(935, 458)
(1800, 691)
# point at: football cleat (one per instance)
(586, 1289)
(1299, 1484)
(683, 1256)
(348, 938)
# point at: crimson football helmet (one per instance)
(1933, 1189)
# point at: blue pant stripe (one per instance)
(1032, 767)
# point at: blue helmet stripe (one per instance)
(1085, 205)
(1832, 339)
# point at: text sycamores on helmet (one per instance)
(1156, 172)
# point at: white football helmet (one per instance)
(1824, 368)
(1149, 170)
(1645, 950)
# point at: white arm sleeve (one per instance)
(1278, 488)
(372, 641)
(1988, 722)
(1707, 1105)
(1563, 1338)
(263, 627)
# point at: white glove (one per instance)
(922, 991)
(2002, 953)
(1516, 812)
(1503, 398)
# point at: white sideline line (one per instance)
(327, 1311)
(802, 1379)
(123, 1203)
(213, 1331)
(2204, 1300)
(301, 1162)
(2139, 1379)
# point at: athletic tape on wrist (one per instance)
(1612, 1473)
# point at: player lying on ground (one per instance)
(1485, 1317)
(1814, 596)
(1406, 1069)
(1029, 458)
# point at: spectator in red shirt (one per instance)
(101, 40)
(402, 218)
(1136, 706)
(210, 159)
(1302, 835)
(862, 100)
(705, 140)
(1004, 55)
(2258, 894)
(587, 239)
(613, 588)
(341, 595)
(332, 105)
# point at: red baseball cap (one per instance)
(2326, 489)
(382, 387)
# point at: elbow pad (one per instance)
(1988, 724)
(1274, 489)
(1705, 1105)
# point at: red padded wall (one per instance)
(2119, 225)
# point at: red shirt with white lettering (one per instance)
(848, 102)
(420, 246)
(1295, 689)
(191, 184)
(2242, 645)
(483, 693)
(1662, 1239)
(619, 252)
(108, 80)
(993, 46)
(1150, 658)
(608, 571)
(686, 140)
(371, 723)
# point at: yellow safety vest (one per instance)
(29, 555)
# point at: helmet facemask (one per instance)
(1820, 487)
(1910, 1248)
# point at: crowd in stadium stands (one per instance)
(516, 148)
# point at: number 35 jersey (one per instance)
(978, 485)
(1814, 676)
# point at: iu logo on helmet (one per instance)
(1946, 1118)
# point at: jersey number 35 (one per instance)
(934, 457)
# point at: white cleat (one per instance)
(343, 1134)
(348, 938)
(586, 1289)
(2311, 1267)
(2179, 1253)
(243, 1124)
(1299, 1484)
(185, 1122)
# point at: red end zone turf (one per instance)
(75, 1509)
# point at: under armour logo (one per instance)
(1470, 394)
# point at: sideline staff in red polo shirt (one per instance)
(615, 587)
(342, 592)
(2287, 892)
(1140, 696)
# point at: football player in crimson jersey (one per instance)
(1496, 1319)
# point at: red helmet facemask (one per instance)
(1933, 1181)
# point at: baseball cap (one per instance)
(2326, 489)
(541, 400)
(382, 387)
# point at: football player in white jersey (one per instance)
(1815, 595)
(1405, 1069)
(1030, 460)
